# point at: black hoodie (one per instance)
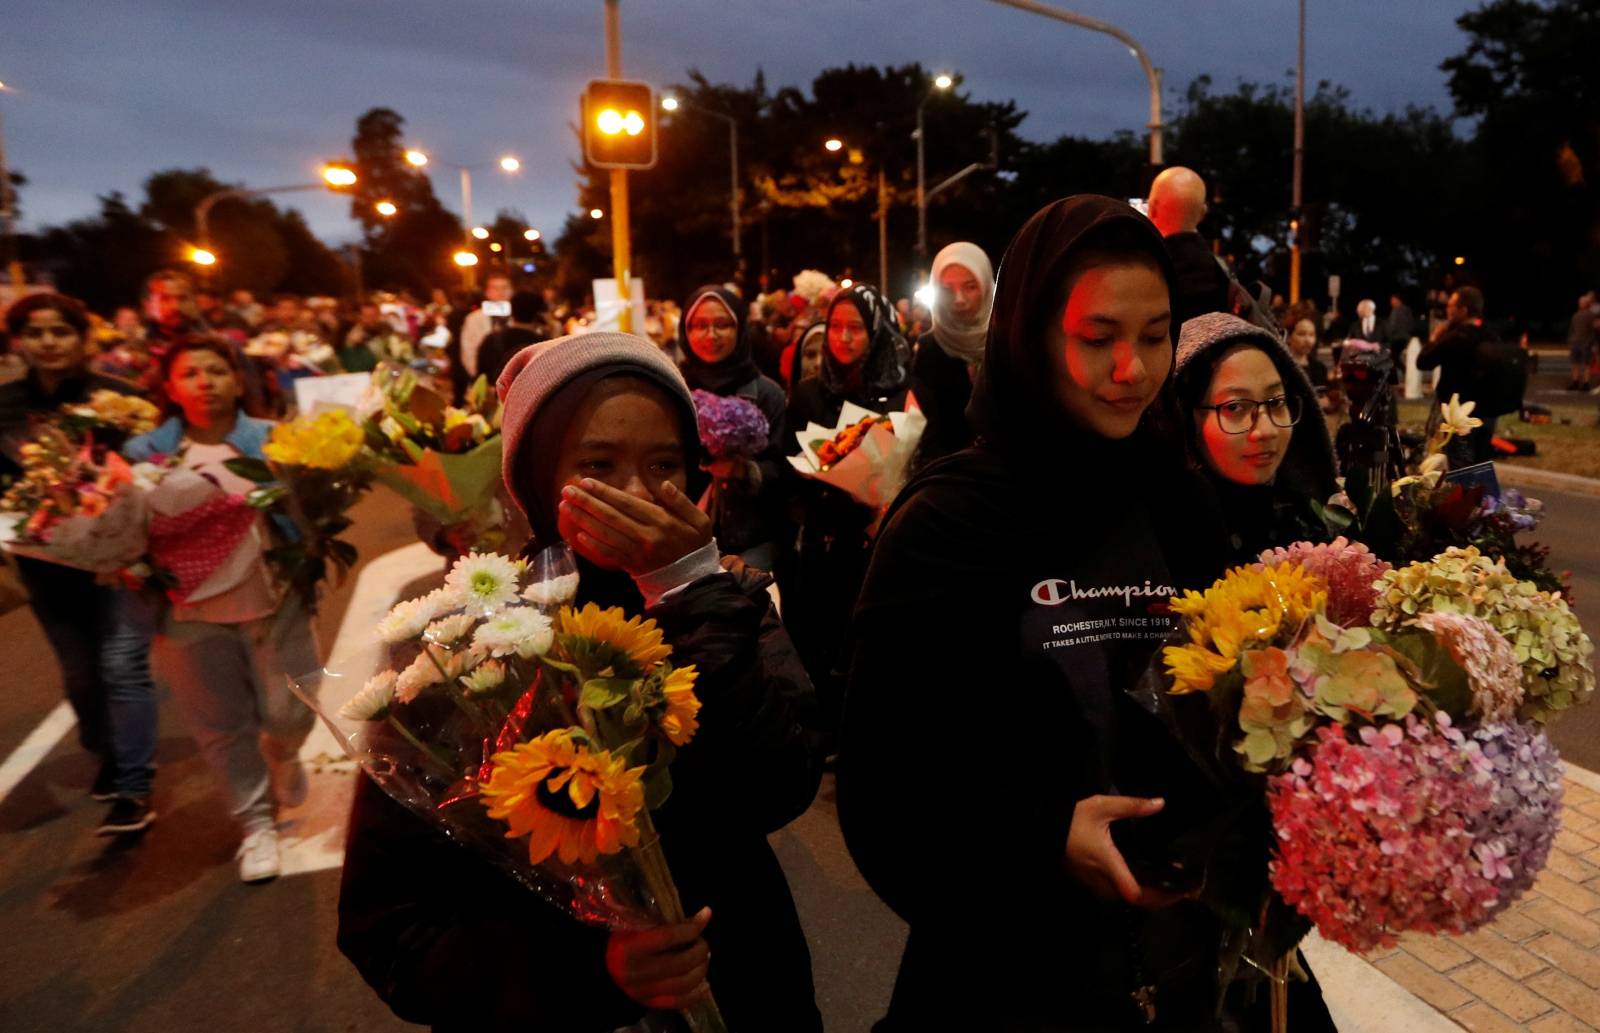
(1017, 588)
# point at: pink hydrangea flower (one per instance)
(1349, 569)
(1376, 838)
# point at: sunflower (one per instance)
(1247, 607)
(678, 723)
(569, 800)
(638, 640)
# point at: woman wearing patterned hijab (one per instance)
(867, 362)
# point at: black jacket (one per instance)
(23, 401)
(497, 349)
(1200, 284)
(942, 385)
(447, 940)
(1455, 352)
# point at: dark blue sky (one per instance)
(106, 92)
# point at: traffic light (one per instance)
(619, 124)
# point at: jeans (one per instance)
(101, 637)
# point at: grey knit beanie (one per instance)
(538, 371)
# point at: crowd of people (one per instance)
(1111, 420)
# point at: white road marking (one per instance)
(36, 747)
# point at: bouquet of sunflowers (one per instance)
(536, 733)
(443, 459)
(1383, 728)
(313, 473)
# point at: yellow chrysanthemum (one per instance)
(1248, 606)
(328, 441)
(569, 800)
(640, 639)
(678, 724)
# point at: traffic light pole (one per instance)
(621, 251)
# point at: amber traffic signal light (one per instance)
(619, 124)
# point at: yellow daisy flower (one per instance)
(569, 800)
(678, 724)
(639, 639)
(1248, 607)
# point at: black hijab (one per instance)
(1014, 407)
(887, 364)
(739, 367)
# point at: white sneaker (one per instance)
(289, 783)
(258, 856)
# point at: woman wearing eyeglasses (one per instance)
(747, 506)
(1256, 433)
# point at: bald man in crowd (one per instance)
(1177, 204)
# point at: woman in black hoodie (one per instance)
(1017, 588)
(866, 360)
(1255, 433)
(746, 508)
(599, 436)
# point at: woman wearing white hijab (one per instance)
(948, 356)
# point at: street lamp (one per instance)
(595, 213)
(480, 232)
(200, 256)
(833, 144)
(465, 259)
(495, 247)
(416, 158)
(386, 208)
(941, 82)
(510, 164)
(530, 235)
(8, 214)
(335, 175)
(673, 104)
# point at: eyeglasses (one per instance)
(721, 326)
(60, 331)
(1238, 416)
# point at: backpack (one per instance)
(1499, 377)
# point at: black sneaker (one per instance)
(126, 815)
(105, 783)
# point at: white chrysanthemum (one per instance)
(449, 630)
(519, 629)
(484, 582)
(373, 700)
(488, 676)
(407, 620)
(423, 672)
(558, 591)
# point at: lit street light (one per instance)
(595, 213)
(673, 104)
(941, 82)
(669, 104)
(1461, 260)
(847, 283)
(386, 208)
(530, 235)
(417, 158)
(510, 164)
(339, 175)
(495, 248)
(480, 232)
(465, 259)
(834, 144)
(200, 256)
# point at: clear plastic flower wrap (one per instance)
(533, 732)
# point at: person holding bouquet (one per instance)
(233, 634)
(745, 497)
(1255, 434)
(601, 448)
(1045, 557)
(100, 632)
(866, 361)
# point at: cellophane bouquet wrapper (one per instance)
(875, 471)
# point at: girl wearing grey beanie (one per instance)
(600, 443)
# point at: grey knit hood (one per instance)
(1310, 464)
